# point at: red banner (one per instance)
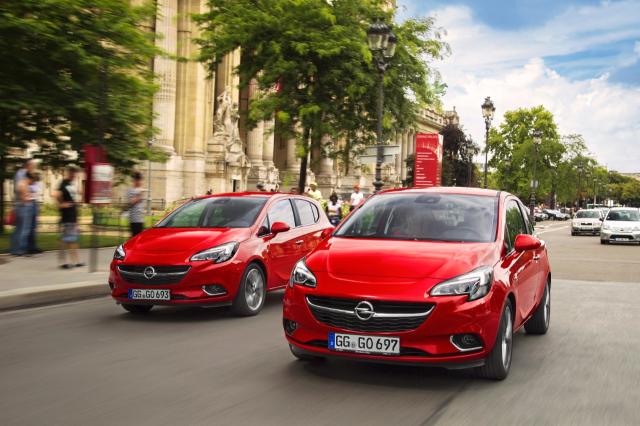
(427, 170)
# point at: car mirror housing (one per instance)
(526, 242)
(278, 227)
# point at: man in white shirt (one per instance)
(356, 197)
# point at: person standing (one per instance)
(27, 167)
(135, 201)
(356, 197)
(36, 189)
(334, 209)
(314, 192)
(24, 211)
(67, 196)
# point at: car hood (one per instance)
(182, 241)
(624, 225)
(586, 220)
(381, 260)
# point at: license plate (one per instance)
(364, 344)
(149, 294)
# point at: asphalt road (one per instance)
(91, 363)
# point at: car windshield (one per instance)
(588, 214)
(624, 215)
(424, 217)
(215, 212)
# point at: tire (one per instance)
(603, 242)
(305, 357)
(573, 234)
(251, 292)
(539, 322)
(497, 365)
(137, 309)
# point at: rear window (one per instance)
(588, 214)
(425, 217)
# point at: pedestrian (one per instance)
(67, 196)
(24, 214)
(35, 189)
(314, 192)
(261, 187)
(356, 197)
(27, 167)
(334, 209)
(135, 202)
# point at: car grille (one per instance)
(164, 275)
(388, 317)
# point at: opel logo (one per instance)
(149, 272)
(364, 310)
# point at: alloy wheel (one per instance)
(254, 289)
(507, 338)
(547, 306)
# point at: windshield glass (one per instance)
(425, 217)
(624, 215)
(588, 214)
(216, 212)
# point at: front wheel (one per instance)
(539, 322)
(497, 365)
(251, 294)
(137, 309)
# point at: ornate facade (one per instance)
(201, 127)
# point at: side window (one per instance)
(515, 224)
(305, 212)
(316, 213)
(527, 221)
(282, 212)
(264, 229)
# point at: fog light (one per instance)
(214, 290)
(466, 342)
(290, 326)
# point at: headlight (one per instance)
(218, 254)
(475, 283)
(636, 228)
(119, 253)
(301, 275)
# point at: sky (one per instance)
(578, 58)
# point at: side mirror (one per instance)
(526, 242)
(278, 227)
(326, 232)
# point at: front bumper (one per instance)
(189, 289)
(428, 344)
(611, 235)
(585, 229)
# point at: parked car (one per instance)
(587, 221)
(539, 215)
(556, 214)
(226, 249)
(438, 276)
(622, 224)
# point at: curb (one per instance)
(51, 294)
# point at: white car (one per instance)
(622, 224)
(586, 222)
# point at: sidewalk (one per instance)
(37, 280)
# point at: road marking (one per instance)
(553, 229)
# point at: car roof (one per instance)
(458, 190)
(255, 194)
(623, 208)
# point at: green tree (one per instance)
(316, 53)
(76, 72)
(459, 149)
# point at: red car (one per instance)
(226, 249)
(439, 276)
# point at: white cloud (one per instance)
(507, 66)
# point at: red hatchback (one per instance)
(440, 276)
(226, 249)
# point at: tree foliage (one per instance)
(315, 52)
(459, 149)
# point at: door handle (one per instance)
(299, 242)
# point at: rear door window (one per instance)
(305, 212)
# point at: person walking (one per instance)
(35, 189)
(135, 202)
(67, 196)
(356, 197)
(334, 209)
(24, 213)
(27, 167)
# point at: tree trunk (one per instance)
(304, 161)
(2, 179)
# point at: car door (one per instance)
(284, 248)
(522, 268)
(309, 228)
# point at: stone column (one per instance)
(255, 146)
(326, 176)
(398, 168)
(403, 155)
(272, 175)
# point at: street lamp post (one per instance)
(149, 145)
(382, 43)
(537, 141)
(488, 109)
